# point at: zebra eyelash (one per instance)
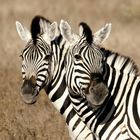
(77, 57)
(47, 57)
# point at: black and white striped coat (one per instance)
(118, 117)
(43, 67)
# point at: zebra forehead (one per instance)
(32, 50)
(41, 43)
(87, 49)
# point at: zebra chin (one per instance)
(29, 100)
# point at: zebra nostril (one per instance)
(33, 80)
(26, 90)
(91, 89)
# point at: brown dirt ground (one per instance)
(41, 121)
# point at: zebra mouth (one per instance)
(30, 98)
(29, 92)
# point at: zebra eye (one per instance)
(77, 57)
(21, 56)
(47, 57)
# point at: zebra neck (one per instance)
(59, 51)
(58, 94)
(56, 90)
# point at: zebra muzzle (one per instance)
(96, 93)
(28, 91)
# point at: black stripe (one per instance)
(127, 102)
(76, 124)
(59, 91)
(135, 106)
(113, 62)
(116, 126)
(66, 104)
(70, 116)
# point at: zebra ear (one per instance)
(23, 32)
(44, 25)
(65, 30)
(50, 32)
(53, 30)
(39, 25)
(101, 35)
(85, 30)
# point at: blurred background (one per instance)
(41, 121)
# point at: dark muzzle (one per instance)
(97, 91)
(28, 91)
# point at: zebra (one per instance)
(43, 68)
(78, 62)
(118, 115)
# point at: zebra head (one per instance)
(36, 56)
(85, 61)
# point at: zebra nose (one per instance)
(96, 77)
(31, 80)
(97, 93)
(28, 90)
(29, 85)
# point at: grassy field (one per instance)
(41, 121)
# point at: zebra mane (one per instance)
(35, 27)
(87, 32)
(119, 62)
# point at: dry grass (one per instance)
(41, 121)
